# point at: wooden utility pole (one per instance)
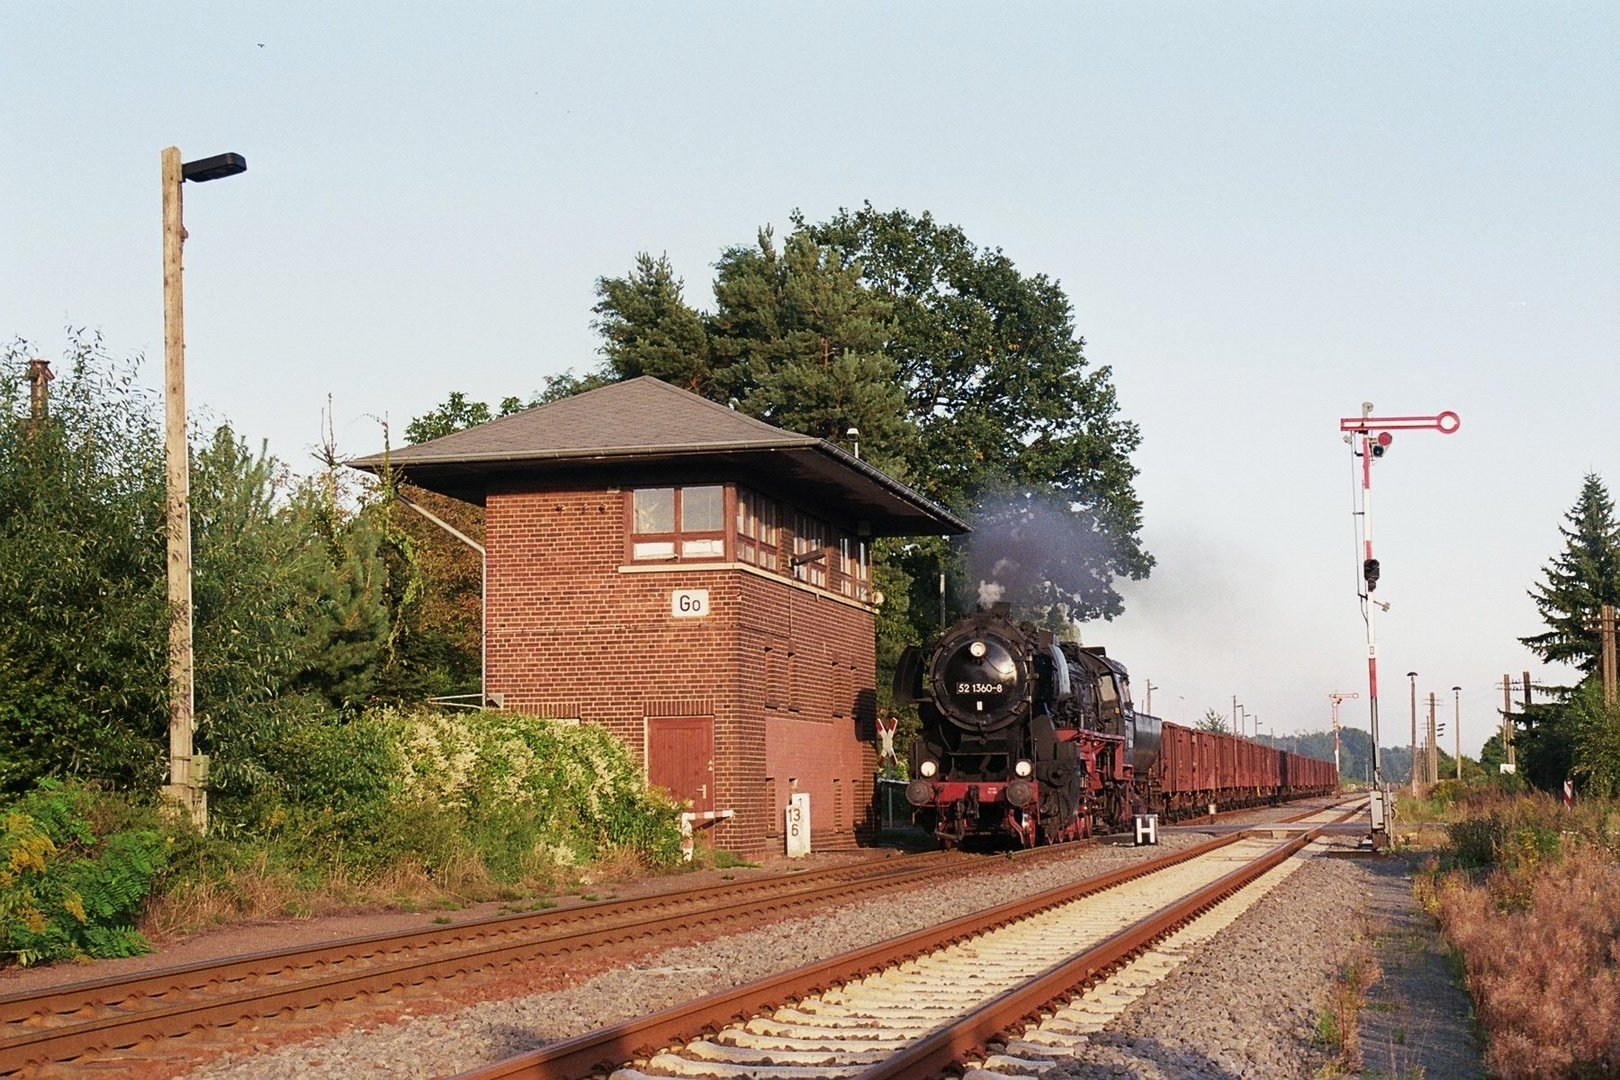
(183, 786)
(1507, 721)
(1456, 724)
(1606, 631)
(187, 772)
(1411, 677)
(1433, 775)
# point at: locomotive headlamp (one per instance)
(977, 649)
(928, 768)
(1020, 793)
(1023, 768)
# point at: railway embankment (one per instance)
(1525, 892)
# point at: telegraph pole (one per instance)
(1412, 677)
(1507, 722)
(1370, 437)
(1456, 723)
(1606, 632)
(1432, 775)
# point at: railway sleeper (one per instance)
(825, 1045)
(704, 1050)
(670, 1065)
(777, 1026)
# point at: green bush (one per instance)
(568, 793)
(66, 891)
(429, 787)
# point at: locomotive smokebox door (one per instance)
(1147, 829)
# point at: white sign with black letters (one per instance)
(689, 603)
(797, 825)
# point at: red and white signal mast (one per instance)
(1370, 437)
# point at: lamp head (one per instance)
(213, 168)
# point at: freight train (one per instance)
(1036, 741)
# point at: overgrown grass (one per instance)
(414, 809)
(1528, 893)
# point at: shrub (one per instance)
(532, 787)
(431, 788)
(65, 891)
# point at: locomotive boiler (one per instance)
(1036, 741)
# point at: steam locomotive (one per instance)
(1036, 740)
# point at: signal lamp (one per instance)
(1370, 571)
(1380, 443)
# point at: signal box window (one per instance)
(854, 577)
(678, 523)
(809, 550)
(757, 519)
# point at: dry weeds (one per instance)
(261, 890)
(1338, 1022)
(1541, 949)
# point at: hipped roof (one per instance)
(648, 422)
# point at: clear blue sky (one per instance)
(1264, 213)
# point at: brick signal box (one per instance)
(694, 580)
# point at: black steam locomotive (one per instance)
(1023, 736)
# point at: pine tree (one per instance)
(648, 329)
(1579, 581)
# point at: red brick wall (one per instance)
(786, 673)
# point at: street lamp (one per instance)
(1412, 675)
(187, 773)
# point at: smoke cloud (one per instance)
(1039, 550)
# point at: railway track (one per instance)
(917, 1004)
(127, 1019)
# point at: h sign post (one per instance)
(1147, 829)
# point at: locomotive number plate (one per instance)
(979, 688)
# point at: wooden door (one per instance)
(680, 758)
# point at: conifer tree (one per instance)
(1579, 581)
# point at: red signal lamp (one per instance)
(1380, 443)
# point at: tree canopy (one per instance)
(964, 376)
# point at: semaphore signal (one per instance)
(1370, 438)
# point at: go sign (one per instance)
(689, 603)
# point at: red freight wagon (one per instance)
(1197, 768)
